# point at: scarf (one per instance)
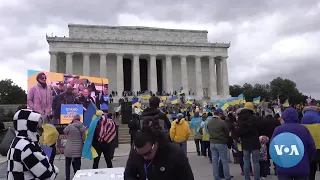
(43, 85)
(106, 130)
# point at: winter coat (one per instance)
(39, 99)
(302, 169)
(75, 137)
(180, 132)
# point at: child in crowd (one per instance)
(264, 164)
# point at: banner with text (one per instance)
(68, 111)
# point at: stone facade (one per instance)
(187, 59)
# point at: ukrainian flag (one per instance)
(146, 95)
(135, 102)
(163, 98)
(181, 91)
(232, 101)
(189, 102)
(174, 100)
(286, 103)
(204, 103)
(256, 100)
(225, 106)
(240, 99)
(215, 103)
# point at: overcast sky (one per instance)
(268, 38)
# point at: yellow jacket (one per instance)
(180, 132)
(49, 135)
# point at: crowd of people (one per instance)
(159, 140)
(241, 129)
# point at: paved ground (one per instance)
(201, 167)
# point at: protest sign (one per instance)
(68, 111)
(62, 139)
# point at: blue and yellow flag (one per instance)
(136, 103)
(189, 102)
(256, 100)
(286, 103)
(225, 106)
(215, 103)
(146, 95)
(88, 151)
(90, 112)
(174, 100)
(240, 99)
(163, 98)
(181, 91)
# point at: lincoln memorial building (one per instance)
(144, 58)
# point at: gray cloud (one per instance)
(252, 26)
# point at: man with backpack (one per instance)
(153, 112)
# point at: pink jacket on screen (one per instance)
(40, 99)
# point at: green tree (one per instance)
(286, 89)
(11, 93)
(247, 92)
(235, 90)
(262, 90)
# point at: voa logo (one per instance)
(286, 150)
(291, 151)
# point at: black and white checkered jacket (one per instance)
(26, 160)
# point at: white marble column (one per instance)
(53, 62)
(86, 64)
(136, 73)
(213, 78)
(169, 78)
(225, 77)
(69, 63)
(103, 65)
(219, 77)
(184, 74)
(120, 74)
(153, 74)
(199, 88)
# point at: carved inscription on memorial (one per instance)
(137, 34)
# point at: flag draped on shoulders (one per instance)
(88, 151)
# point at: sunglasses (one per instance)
(146, 153)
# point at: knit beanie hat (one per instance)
(76, 118)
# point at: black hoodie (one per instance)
(169, 163)
(249, 130)
(161, 116)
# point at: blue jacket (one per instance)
(290, 117)
(311, 115)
